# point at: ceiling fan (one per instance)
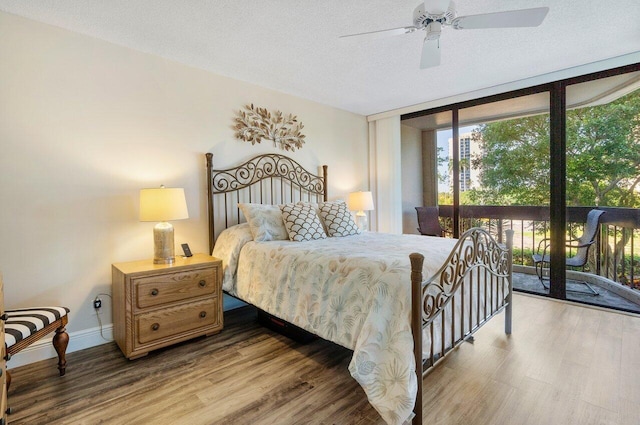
(432, 15)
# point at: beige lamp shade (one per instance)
(360, 201)
(163, 204)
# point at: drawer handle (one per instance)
(7, 357)
(155, 326)
(154, 292)
(4, 317)
(202, 283)
(203, 314)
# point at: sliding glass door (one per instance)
(603, 183)
(504, 163)
(538, 160)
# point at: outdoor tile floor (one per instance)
(531, 283)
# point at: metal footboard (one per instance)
(473, 285)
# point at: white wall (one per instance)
(84, 124)
(411, 158)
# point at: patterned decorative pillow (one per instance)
(338, 219)
(302, 222)
(265, 222)
(316, 207)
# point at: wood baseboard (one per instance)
(43, 349)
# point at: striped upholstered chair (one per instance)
(24, 327)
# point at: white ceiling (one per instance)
(292, 45)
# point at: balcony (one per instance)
(614, 261)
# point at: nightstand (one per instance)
(156, 305)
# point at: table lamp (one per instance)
(163, 204)
(361, 202)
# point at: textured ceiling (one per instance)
(292, 45)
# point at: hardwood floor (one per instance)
(564, 364)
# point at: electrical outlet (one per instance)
(97, 303)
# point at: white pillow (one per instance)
(265, 222)
(338, 219)
(302, 222)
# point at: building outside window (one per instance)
(468, 148)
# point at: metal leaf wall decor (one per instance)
(254, 124)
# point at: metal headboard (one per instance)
(265, 179)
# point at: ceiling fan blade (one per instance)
(372, 35)
(510, 19)
(430, 54)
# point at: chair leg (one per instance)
(592, 291)
(543, 285)
(60, 342)
(540, 273)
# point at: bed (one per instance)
(364, 291)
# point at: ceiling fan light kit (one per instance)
(432, 15)
(433, 29)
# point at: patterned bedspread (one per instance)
(354, 291)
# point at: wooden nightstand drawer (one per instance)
(157, 305)
(171, 287)
(177, 320)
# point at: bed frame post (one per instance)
(508, 311)
(416, 328)
(210, 201)
(324, 179)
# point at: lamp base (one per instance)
(362, 222)
(164, 260)
(163, 246)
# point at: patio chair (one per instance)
(428, 223)
(582, 245)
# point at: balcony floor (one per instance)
(530, 283)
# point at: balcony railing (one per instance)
(615, 256)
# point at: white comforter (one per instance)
(354, 291)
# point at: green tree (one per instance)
(603, 157)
